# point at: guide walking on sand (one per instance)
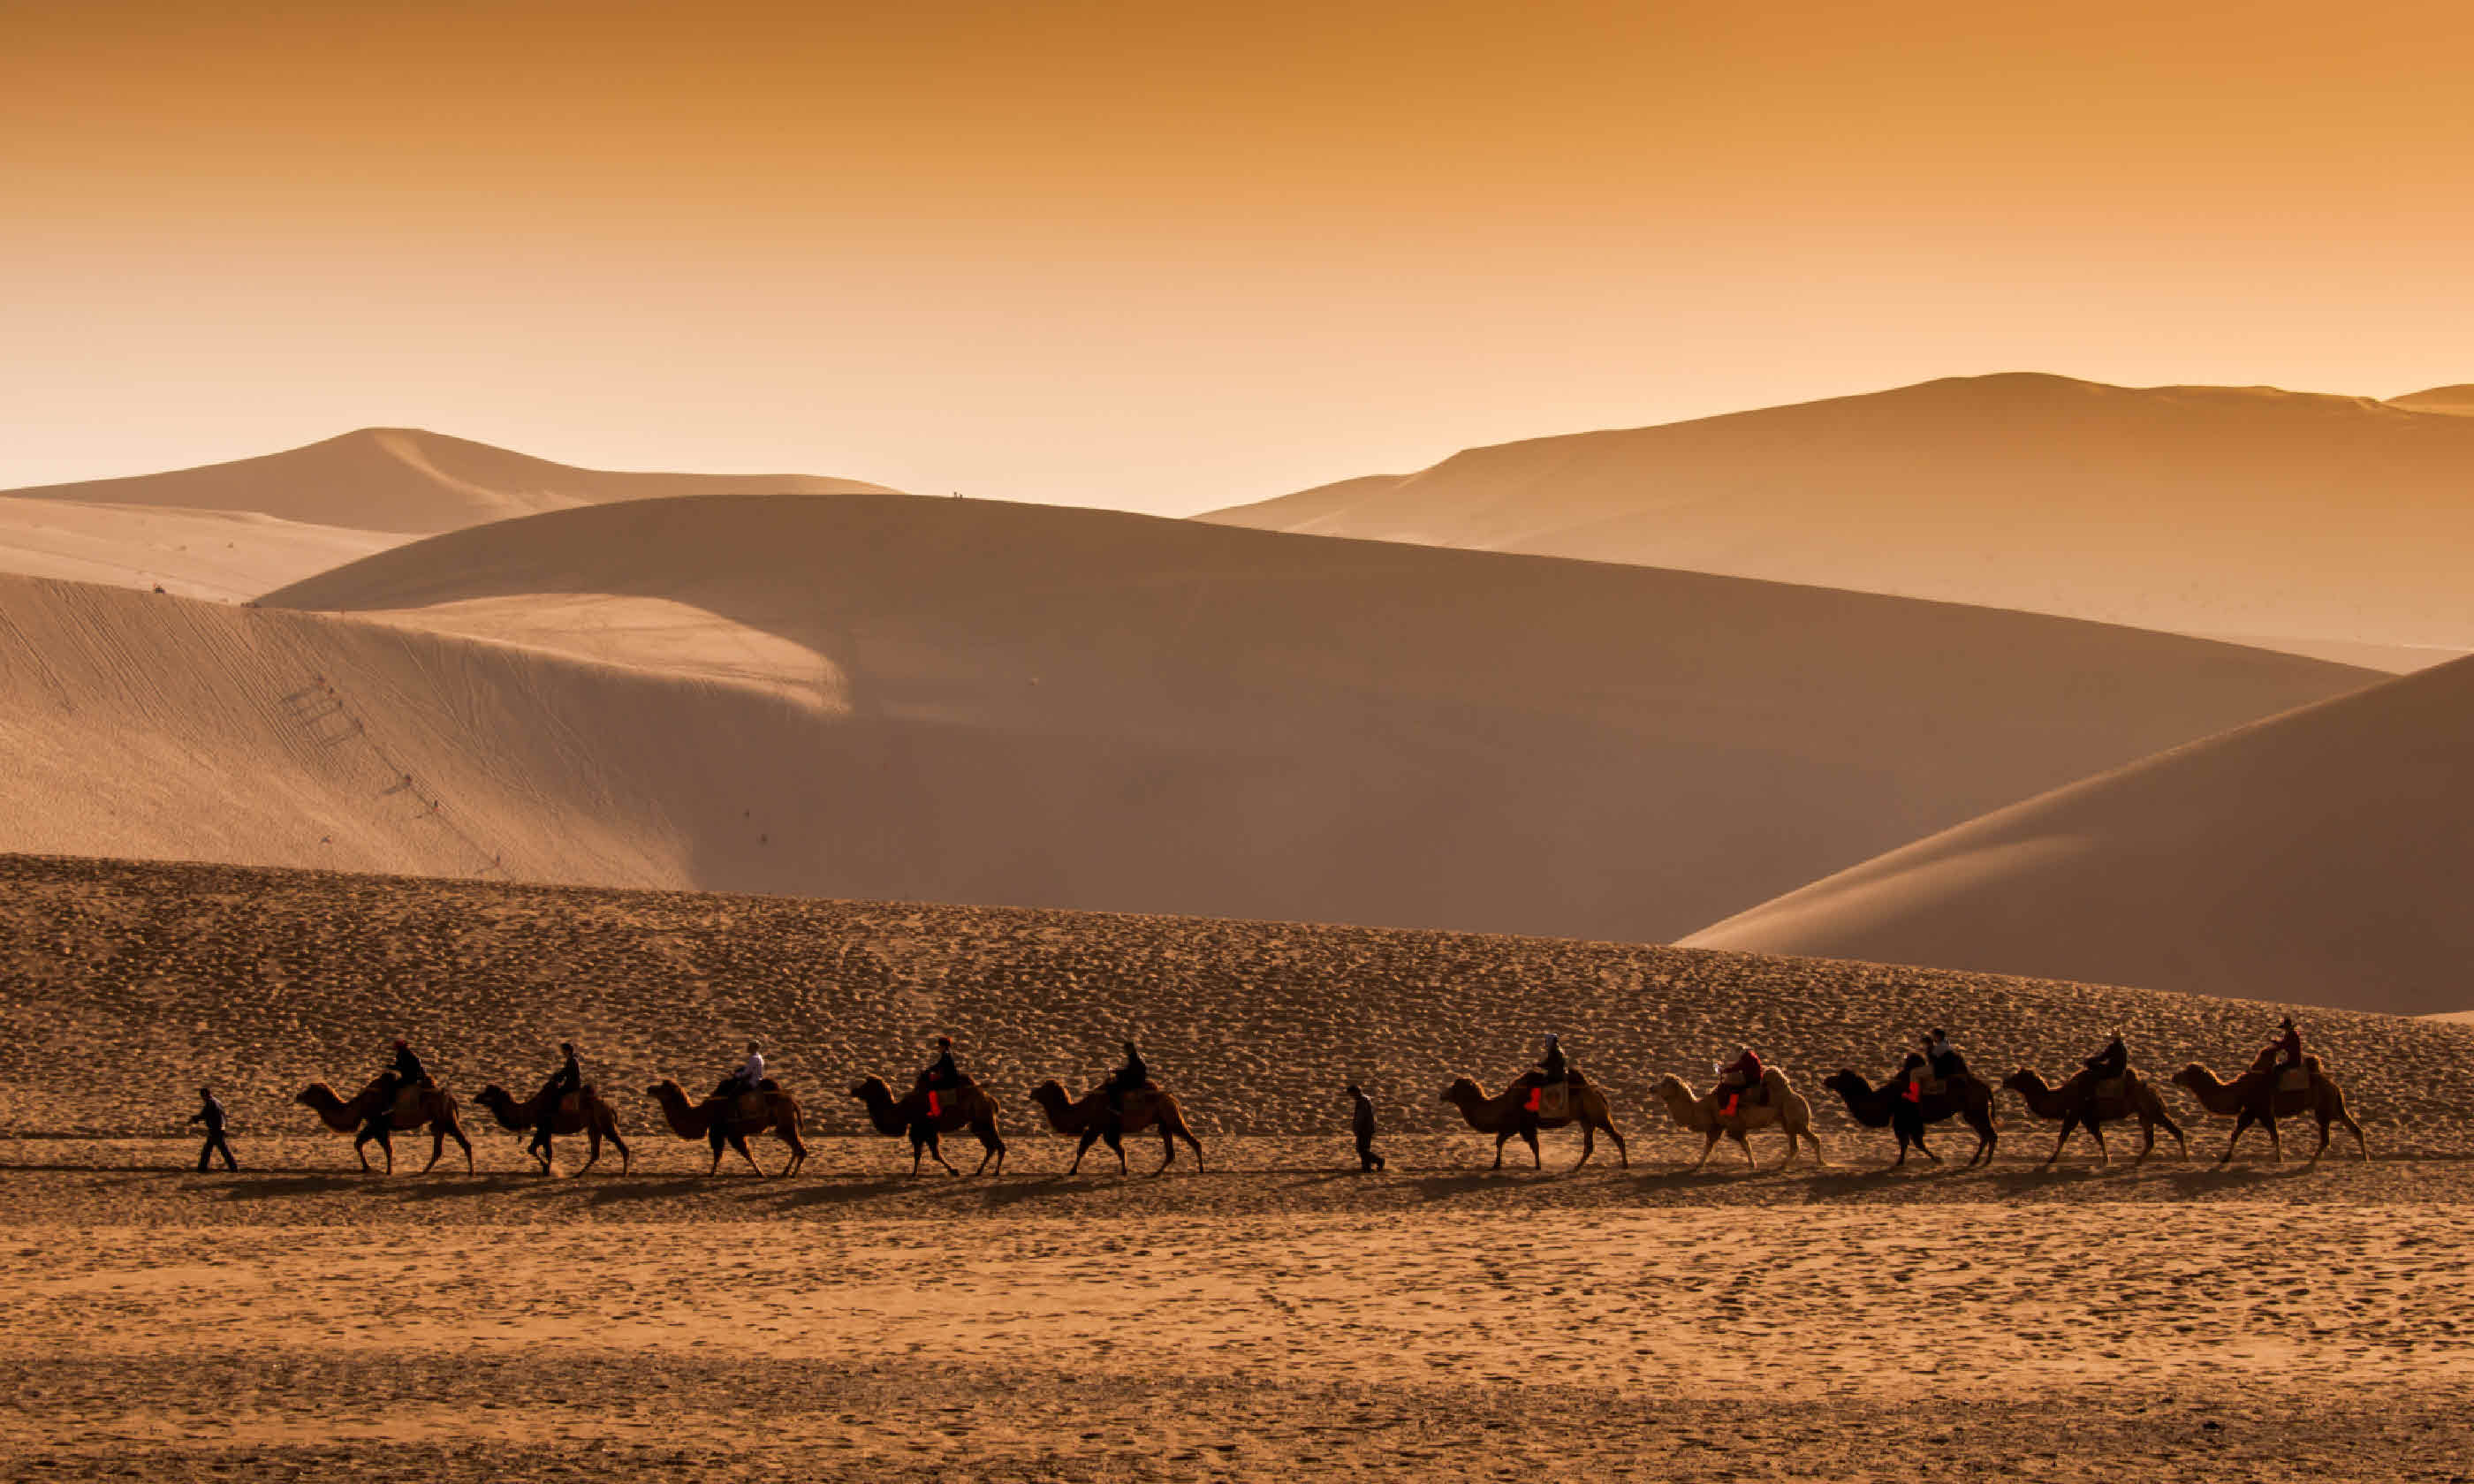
(211, 1113)
(1362, 1122)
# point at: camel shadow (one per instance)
(1444, 1187)
(639, 1187)
(2231, 1177)
(263, 1188)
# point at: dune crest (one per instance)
(411, 481)
(2323, 858)
(2219, 511)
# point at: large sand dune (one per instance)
(2272, 516)
(410, 480)
(2325, 857)
(1020, 703)
(228, 555)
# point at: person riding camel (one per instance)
(404, 1071)
(1553, 1064)
(569, 1078)
(2287, 1045)
(2112, 1063)
(750, 1076)
(1736, 1077)
(941, 1076)
(1131, 1077)
(1934, 1058)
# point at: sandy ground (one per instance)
(1276, 1315)
(1254, 1323)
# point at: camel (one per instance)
(1965, 1096)
(2075, 1103)
(963, 1107)
(1510, 1113)
(1088, 1119)
(2254, 1097)
(580, 1112)
(1781, 1106)
(426, 1104)
(727, 1123)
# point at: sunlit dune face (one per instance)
(1171, 257)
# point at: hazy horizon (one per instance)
(1166, 261)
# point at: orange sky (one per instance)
(1168, 256)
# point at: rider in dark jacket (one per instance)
(569, 1078)
(1128, 1078)
(404, 1071)
(2110, 1062)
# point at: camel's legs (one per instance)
(1623, 1156)
(437, 1146)
(2146, 1141)
(1923, 1148)
(2104, 1156)
(626, 1157)
(1500, 1140)
(2360, 1143)
(1589, 1142)
(1708, 1142)
(738, 1142)
(2276, 1139)
(1116, 1146)
(1090, 1136)
(2242, 1122)
(2070, 1122)
(1744, 1144)
(1529, 1137)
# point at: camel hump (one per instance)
(2294, 1079)
(408, 1102)
(573, 1102)
(2111, 1089)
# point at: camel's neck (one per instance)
(686, 1119)
(2213, 1095)
(1063, 1116)
(337, 1114)
(1687, 1110)
(883, 1110)
(514, 1115)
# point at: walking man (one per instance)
(211, 1113)
(1362, 1121)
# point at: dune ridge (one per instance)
(2324, 857)
(263, 980)
(409, 481)
(222, 556)
(1072, 708)
(2250, 512)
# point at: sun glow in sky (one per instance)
(1169, 256)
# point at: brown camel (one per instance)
(2077, 1103)
(1087, 1120)
(1781, 1106)
(426, 1104)
(1965, 1096)
(581, 1112)
(1508, 1114)
(962, 1106)
(727, 1123)
(2254, 1097)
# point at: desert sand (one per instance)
(409, 481)
(1028, 705)
(220, 556)
(2325, 857)
(2276, 518)
(1277, 1316)
(2457, 399)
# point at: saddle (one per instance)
(2294, 1079)
(1930, 1086)
(1551, 1100)
(407, 1102)
(2110, 1089)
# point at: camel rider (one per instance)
(569, 1078)
(2287, 1044)
(750, 1076)
(404, 1071)
(2114, 1061)
(1736, 1077)
(942, 1073)
(1553, 1063)
(1128, 1078)
(1947, 1064)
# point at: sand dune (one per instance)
(410, 481)
(1018, 703)
(2325, 857)
(2270, 517)
(226, 555)
(2457, 399)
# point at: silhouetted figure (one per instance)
(2110, 1062)
(942, 1073)
(404, 1071)
(2288, 1046)
(569, 1078)
(750, 1076)
(1131, 1077)
(211, 1113)
(1738, 1077)
(1552, 1064)
(1361, 1121)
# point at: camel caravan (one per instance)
(1932, 1086)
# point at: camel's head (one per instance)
(491, 1096)
(1050, 1093)
(1462, 1092)
(869, 1089)
(1667, 1086)
(2193, 1077)
(666, 1087)
(1846, 1082)
(2024, 1080)
(311, 1095)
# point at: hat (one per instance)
(2287, 1022)
(567, 1045)
(399, 1043)
(1550, 1038)
(944, 1041)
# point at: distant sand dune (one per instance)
(1020, 703)
(2325, 857)
(220, 555)
(412, 481)
(2195, 509)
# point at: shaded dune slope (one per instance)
(2226, 510)
(2325, 857)
(410, 480)
(1021, 704)
(260, 980)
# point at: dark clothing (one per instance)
(1362, 1122)
(1128, 1078)
(1947, 1064)
(407, 1067)
(942, 1072)
(569, 1078)
(2112, 1062)
(2289, 1048)
(1557, 1068)
(211, 1113)
(1737, 1078)
(404, 1071)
